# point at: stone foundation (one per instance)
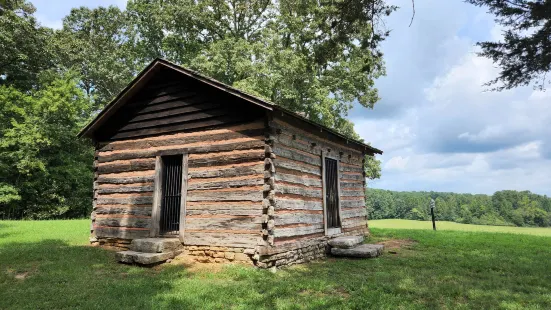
(111, 243)
(280, 255)
(300, 251)
(217, 254)
(296, 256)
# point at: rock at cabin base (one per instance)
(346, 242)
(126, 256)
(130, 257)
(152, 258)
(156, 245)
(360, 251)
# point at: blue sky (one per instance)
(438, 127)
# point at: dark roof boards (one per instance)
(141, 80)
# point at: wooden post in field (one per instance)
(432, 213)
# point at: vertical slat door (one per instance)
(332, 193)
(171, 198)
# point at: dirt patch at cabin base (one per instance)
(192, 265)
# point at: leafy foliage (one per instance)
(24, 44)
(312, 57)
(510, 208)
(524, 55)
(44, 170)
(96, 44)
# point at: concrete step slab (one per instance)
(133, 257)
(346, 242)
(360, 251)
(126, 257)
(156, 245)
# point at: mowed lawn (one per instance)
(48, 265)
(408, 224)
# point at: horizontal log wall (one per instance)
(298, 210)
(225, 170)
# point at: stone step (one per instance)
(156, 245)
(360, 251)
(133, 257)
(346, 242)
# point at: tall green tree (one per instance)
(524, 54)
(97, 43)
(24, 45)
(313, 57)
(45, 171)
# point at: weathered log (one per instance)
(299, 143)
(225, 159)
(297, 155)
(295, 190)
(227, 223)
(353, 222)
(297, 204)
(351, 176)
(234, 132)
(351, 184)
(124, 222)
(191, 125)
(141, 211)
(298, 218)
(179, 149)
(229, 211)
(351, 168)
(224, 205)
(270, 225)
(118, 232)
(227, 171)
(125, 180)
(352, 193)
(359, 230)
(353, 213)
(352, 203)
(254, 180)
(297, 166)
(297, 231)
(290, 129)
(126, 201)
(212, 195)
(126, 189)
(221, 239)
(291, 178)
(125, 166)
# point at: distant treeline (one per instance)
(511, 208)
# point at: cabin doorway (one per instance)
(171, 195)
(331, 195)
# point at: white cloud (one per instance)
(452, 134)
(397, 163)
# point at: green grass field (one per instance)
(408, 224)
(48, 265)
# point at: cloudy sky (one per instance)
(437, 126)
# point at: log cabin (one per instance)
(230, 176)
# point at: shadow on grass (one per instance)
(444, 270)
